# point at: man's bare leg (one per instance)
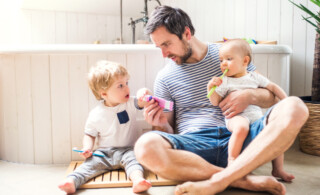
(155, 153)
(249, 182)
(284, 123)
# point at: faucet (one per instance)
(143, 19)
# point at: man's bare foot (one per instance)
(68, 186)
(260, 183)
(140, 185)
(196, 188)
(283, 175)
(250, 182)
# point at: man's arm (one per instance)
(169, 126)
(237, 101)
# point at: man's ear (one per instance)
(246, 60)
(187, 33)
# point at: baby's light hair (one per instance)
(102, 76)
(241, 45)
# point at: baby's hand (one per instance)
(86, 154)
(215, 81)
(143, 92)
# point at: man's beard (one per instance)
(187, 54)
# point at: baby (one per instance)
(113, 123)
(235, 55)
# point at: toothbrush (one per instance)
(214, 88)
(94, 154)
(162, 102)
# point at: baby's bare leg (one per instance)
(239, 127)
(278, 170)
(139, 183)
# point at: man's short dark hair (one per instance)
(174, 19)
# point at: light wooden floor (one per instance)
(23, 179)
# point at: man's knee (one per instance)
(147, 150)
(298, 113)
(295, 112)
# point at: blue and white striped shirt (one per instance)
(186, 86)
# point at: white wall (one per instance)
(213, 19)
(59, 27)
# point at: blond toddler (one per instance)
(113, 124)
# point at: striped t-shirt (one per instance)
(186, 86)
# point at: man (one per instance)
(199, 150)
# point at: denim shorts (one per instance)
(212, 144)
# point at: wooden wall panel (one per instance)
(73, 28)
(41, 104)
(251, 18)
(78, 99)
(60, 108)
(136, 68)
(240, 18)
(298, 47)
(10, 121)
(262, 20)
(2, 82)
(273, 20)
(24, 108)
(61, 28)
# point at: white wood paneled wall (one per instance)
(57, 27)
(45, 99)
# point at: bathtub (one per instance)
(45, 100)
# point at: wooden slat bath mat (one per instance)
(118, 178)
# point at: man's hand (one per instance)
(235, 103)
(154, 115)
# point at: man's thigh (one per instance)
(256, 128)
(210, 144)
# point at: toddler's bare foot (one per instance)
(283, 175)
(140, 185)
(68, 186)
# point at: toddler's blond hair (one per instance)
(241, 45)
(103, 75)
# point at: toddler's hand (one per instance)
(86, 154)
(143, 92)
(215, 81)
